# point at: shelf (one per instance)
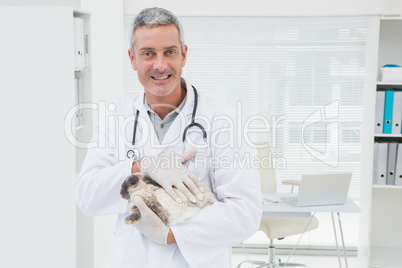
(80, 12)
(388, 135)
(389, 83)
(386, 257)
(392, 17)
(393, 187)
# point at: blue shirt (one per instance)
(162, 126)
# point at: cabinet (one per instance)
(381, 217)
(81, 128)
(41, 226)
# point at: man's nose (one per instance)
(160, 63)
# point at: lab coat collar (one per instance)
(173, 138)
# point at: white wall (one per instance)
(107, 42)
(69, 3)
(269, 7)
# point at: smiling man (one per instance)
(181, 119)
(158, 57)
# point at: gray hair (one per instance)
(155, 16)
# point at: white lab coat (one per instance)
(205, 240)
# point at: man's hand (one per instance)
(170, 171)
(150, 224)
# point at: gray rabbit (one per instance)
(157, 199)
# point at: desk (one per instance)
(274, 207)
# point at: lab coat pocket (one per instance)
(117, 252)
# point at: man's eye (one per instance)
(147, 54)
(170, 52)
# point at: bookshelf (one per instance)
(381, 232)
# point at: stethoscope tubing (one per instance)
(134, 153)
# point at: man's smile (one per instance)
(161, 77)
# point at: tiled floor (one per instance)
(311, 261)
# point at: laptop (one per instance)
(321, 190)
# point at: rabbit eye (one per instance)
(132, 182)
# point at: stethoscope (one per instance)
(133, 154)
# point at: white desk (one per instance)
(282, 209)
(273, 206)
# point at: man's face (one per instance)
(158, 58)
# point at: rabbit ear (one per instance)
(148, 180)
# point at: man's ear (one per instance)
(184, 56)
(132, 59)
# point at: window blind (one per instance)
(303, 77)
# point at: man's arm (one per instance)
(99, 184)
(102, 173)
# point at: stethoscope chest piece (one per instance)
(133, 154)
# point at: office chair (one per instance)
(277, 228)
